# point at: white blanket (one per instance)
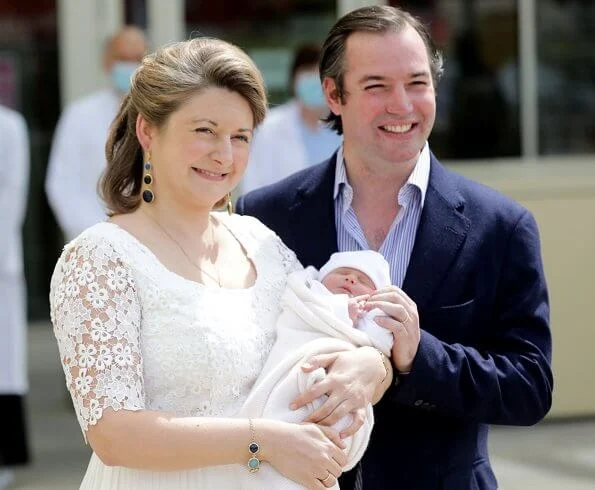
(307, 326)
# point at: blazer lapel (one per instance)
(312, 216)
(441, 233)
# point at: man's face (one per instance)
(390, 106)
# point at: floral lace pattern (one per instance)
(133, 335)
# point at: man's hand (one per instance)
(402, 320)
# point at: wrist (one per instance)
(380, 362)
(403, 369)
(266, 432)
(254, 458)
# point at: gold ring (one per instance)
(325, 479)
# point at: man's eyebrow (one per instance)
(381, 78)
(371, 78)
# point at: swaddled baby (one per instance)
(319, 312)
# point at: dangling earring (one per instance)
(148, 195)
(229, 205)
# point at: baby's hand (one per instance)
(355, 307)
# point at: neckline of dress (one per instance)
(168, 271)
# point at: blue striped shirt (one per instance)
(398, 244)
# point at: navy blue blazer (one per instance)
(484, 358)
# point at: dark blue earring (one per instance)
(148, 195)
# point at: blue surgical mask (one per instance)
(121, 73)
(309, 91)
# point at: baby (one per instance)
(319, 312)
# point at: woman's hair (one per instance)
(375, 19)
(164, 81)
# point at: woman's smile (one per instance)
(208, 175)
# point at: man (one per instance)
(472, 340)
(77, 158)
(14, 186)
(294, 129)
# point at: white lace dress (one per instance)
(133, 335)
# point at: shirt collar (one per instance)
(420, 176)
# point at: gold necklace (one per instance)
(190, 261)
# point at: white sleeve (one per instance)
(73, 208)
(96, 316)
(14, 182)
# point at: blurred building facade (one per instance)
(516, 110)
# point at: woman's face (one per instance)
(345, 280)
(200, 154)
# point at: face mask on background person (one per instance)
(309, 90)
(121, 73)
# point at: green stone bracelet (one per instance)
(253, 462)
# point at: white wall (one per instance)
(166, 22)
(83, 27)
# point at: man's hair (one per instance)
(374, 19)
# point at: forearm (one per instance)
(506, 386)
(161, 442)
(385, 385)
(385, 370)
(496, 366)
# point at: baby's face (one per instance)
(346, 280)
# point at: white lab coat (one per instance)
(277, 149)
(77, 160)
(14, 183)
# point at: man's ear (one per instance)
(144, 132)
(331, 94)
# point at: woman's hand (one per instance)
(352, 380)
(308, 454)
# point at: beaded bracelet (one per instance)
(253, 462)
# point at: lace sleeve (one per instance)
(96, 316)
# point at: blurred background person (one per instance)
(14, 179)
(77, 158)
(293, 136)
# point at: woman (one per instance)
(165, 313)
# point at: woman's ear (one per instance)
(144, 132)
